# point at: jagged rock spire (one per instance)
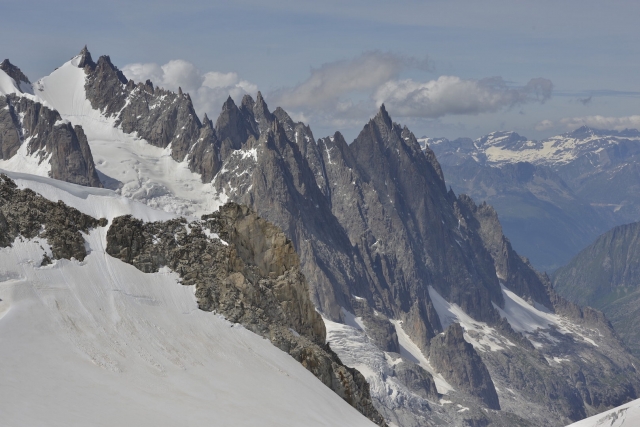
(14, 72)
(207, 122)
(85, 58)
(229, 104)
(383, 116)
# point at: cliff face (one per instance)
(461, 366)
(48, 137)
(246, 269)
(373, 220)
(62, 148)
(606, 276)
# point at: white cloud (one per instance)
(346, 93)
(596, 122)
(451, 95)
(208, 91)
(330, 82)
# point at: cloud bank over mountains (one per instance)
(344, 93)
(451, 95)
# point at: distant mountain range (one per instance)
(430, 316)
(606, 276)
(555, 196)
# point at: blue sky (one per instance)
(444, 68)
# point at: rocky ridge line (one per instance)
(246, 269)
(49, 138)
(24, 213)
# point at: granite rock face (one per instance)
(374, 221)
(163, 118)
(460, 364)
(606, 276)
(246, 269)
(26, 214)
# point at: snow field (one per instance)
(627, 415)
(129, 165)
(100, 343)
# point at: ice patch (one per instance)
(479, 334)
(525, 318)
(411, 351)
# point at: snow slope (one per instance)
(526, 318)
(7, 84)
(128, 164)
(482, 336)
(627, 415)
(100, 343)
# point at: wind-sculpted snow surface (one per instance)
(627, 415)
(98, 342)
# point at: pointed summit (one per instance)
(85, 58)
(262, 114)
(206, 121)
(383, 117)
(247, 103)
(228, 104)
(14, 72)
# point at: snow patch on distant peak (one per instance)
(529, 319)
(351, 320)
(75, 61)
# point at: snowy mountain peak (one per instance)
(501, 139)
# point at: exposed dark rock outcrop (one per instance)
(416, 379)
(460, 364)
(395, 231)
(159, 116)
(378, 327)
(27, 214)
(14, 72)
(252, 276)
(53, 140)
